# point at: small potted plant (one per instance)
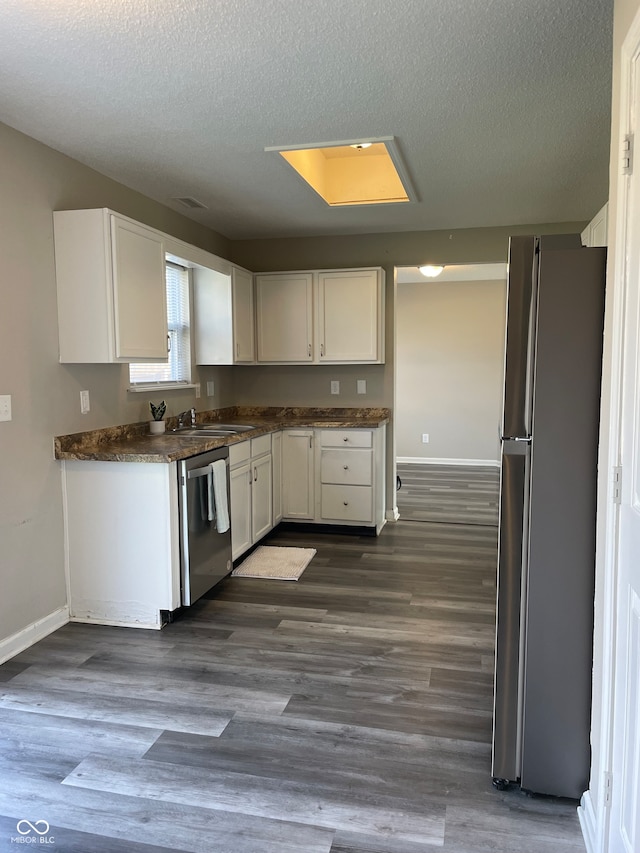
(157, 425)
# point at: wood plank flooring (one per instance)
(348, 712)
(454, 494)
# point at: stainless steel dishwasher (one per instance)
(205, 553)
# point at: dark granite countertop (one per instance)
(134, 443)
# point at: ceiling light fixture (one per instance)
(431, 270)
(352, 172)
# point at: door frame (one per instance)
(595, 807)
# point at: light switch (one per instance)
(211, 388)
(85, 405)
(361, 386)
(5, 407)
(335, 386)
(197, 390)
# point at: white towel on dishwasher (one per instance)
(219, 478)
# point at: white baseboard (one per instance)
(588, 822)
(18, 642)
(392, 514)
(421, 460)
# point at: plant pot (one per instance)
(156, 427)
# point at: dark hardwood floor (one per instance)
(347, 712)
(454, 494)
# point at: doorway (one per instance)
(449, 369)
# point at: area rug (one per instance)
(268, 561)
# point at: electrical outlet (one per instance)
(425, 438)
(197, 390)
(85, 403)
(361, 385)
(5, 407)
(335, 386)
(211, 388)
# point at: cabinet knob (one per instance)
(346, 467)
(346, 503)
(346, 438)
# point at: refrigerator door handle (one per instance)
(523, 438)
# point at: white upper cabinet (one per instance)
(244, 350)
(284, 317)
(110, 277)
(321, 316)
(350, 311)
(223, 307)
(595, 234)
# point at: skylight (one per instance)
(352, 173)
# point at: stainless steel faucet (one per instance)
(183, 415)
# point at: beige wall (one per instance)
(45, 395)
(474, 245)
(450, 354)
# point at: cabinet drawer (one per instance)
(352, 467)
(347, 503)
(346, 438)
(239, 452)
(261, 445)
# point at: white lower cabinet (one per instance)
(123, 541)
(298, 486)
(251, 487)
(276, 472)
(334, 476)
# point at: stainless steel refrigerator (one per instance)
(544, 635)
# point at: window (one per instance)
(177, 370)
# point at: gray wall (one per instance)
(45, 394)
(450, 353)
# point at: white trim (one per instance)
(392, 514)
(588, 823)
(594, 812)
(118, 623)
(38, 630)
(150, 387)
(421, 460)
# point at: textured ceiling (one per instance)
(500, 108)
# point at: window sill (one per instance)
(145, 388)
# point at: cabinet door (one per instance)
(139, 290)
(240, 488)
(276, 467)
(284, 316)
(350, 315)
(298, 492)
(244, 349)
(261, 497)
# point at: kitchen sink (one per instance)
(227, 427)
(216, 430)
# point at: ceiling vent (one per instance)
(191, 203)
